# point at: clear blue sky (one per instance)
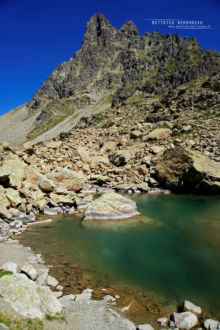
(37, 35)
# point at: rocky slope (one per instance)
(152, 75)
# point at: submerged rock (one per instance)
(184, 170)
(111, 206)
(28, 298)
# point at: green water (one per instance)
(176, 255)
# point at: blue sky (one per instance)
(37, 35)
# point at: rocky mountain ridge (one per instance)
(113, 67)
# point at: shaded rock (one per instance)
(185, 320)
(30, 271)
(120, 158)
(4, 174)
(184, 170)
(28, 298)
(111, 206)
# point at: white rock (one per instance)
(30, 271)
(190, 307)
(10, 266)
(145, 327)
(163, 321)
(51, 281)
(210, 324)
(185, 320)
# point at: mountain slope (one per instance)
(112, 66)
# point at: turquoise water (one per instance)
(177, 254)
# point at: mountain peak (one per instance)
(130, 29)
(97, 24)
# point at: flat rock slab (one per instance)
(86, 314)
(111, 206)
(28, 298)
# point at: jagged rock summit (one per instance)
(112, 66)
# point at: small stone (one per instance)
(30, 271)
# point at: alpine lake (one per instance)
(153, 262)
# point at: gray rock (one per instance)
(28, 298)
(119, 158)
(210, 324)
(185, 320)
(30, 271)
(111, 206)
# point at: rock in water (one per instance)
(184, 170)
(111, 206)
(28, 298)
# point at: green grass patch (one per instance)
(20, 324)
(57, 317)
(5, 272)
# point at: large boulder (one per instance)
(111, 206)
(70, 179)
(28, 298)
(184, 170)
